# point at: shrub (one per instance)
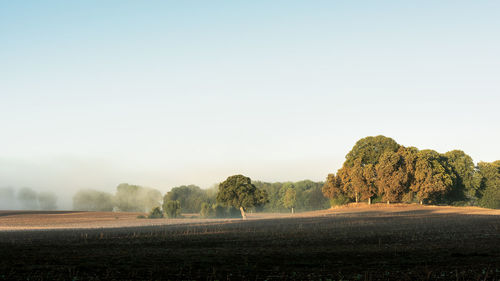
(219, 211)
(232, 212)
(172, 208)
(207, 211)
(339, 200)
(155, 213)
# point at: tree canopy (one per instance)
(369, 149)
(190, 197)
(378, 168)
(239, 192)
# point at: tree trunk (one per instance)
(357, 198)
(293, 212)
(421, 202)
(388, 202)
(369, 201)
(243, 214)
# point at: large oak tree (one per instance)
(239, 192)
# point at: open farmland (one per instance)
(402, 242)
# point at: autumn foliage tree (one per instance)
(378, 167)
(393, 177)
(432, 178)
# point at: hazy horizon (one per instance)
(162, 94)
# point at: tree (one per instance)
(392, 176)
(368, 150)
(189, 196)
(172, 208)
(155, 213)
(7, 198)
(465, 187)
(47, 200)
(332, 187)
(28, 198)
(135, 198)
(239, 192)
(432, 178)
(290, 199)
(489, 184)
(333, 190)
(93, 200)
(206, 210)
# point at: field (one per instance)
(400, 242)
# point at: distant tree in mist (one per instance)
(92, 200)
(172, 208)
(28, 198)
(7, 198)
(155, 213)
(189, 196)
(135, 198)
(47, 200)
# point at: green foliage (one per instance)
(172, 209)
(433, 178)
(92, 200)
(339, 200)
(190, 197)
(368, 150)
(466, 186)
(232, 212)
(309, 195)
(238, 191)
(155, 213)
(207, 211)
(219, 211)
(290, 199)
(489, 184)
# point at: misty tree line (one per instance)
(27, 199)
(300, 196)
(379, 169)
(127, 198)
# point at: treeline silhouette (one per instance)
(379, 169)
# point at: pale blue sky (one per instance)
(163, 93)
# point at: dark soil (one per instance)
(414, 245)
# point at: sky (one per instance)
(165, 93)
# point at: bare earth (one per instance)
(28, 220)
(356, 242)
